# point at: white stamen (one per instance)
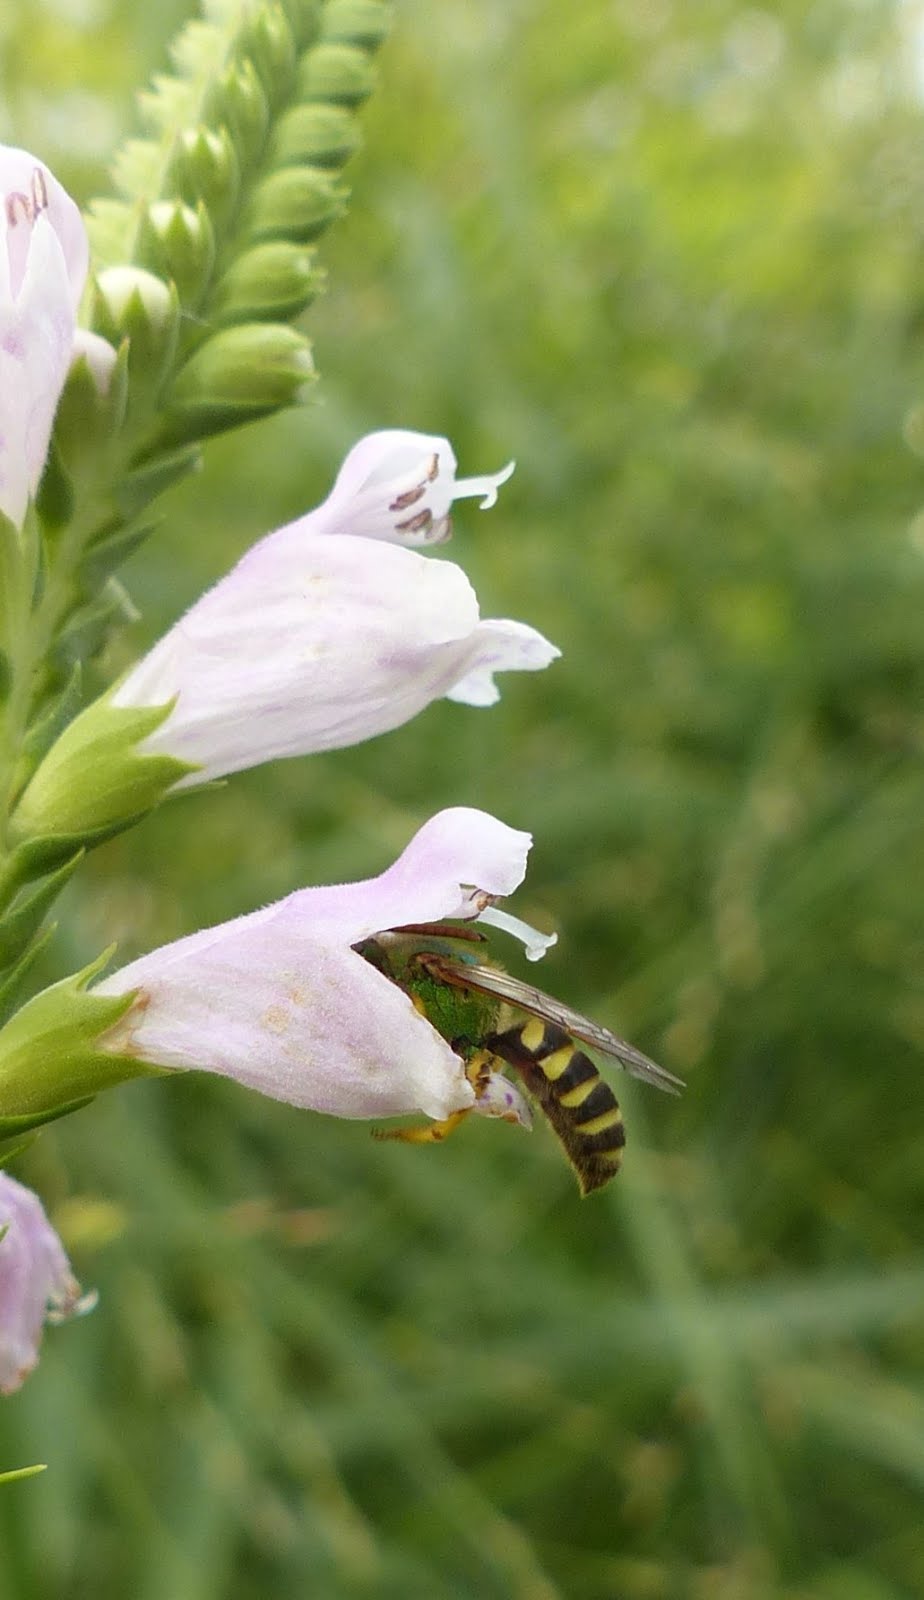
(534, 943)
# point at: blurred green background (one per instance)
(670, 258)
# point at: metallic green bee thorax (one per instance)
(462, 1016)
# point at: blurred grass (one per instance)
(670, 260)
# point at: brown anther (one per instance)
(433, 471)
(39, 192)
(26, 207)
(18, 208)
(402, 501)
(417, 523)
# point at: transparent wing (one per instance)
(492, 980)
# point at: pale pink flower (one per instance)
(36, 1282)
(281, 1000)
(43, 265)
(330, 630)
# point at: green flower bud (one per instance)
(179, 244)
(241, 373)
(204, 169)
(238, 102)
(94, 780)
(275, 281)
(360, 22)
(296, 203)
(336, 73)
(325, 136)
(132, 304)
(50, 1062)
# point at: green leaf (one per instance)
(16, 1473)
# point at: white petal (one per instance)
(499, 645)
(36, 340)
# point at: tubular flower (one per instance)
(330, 630)
(282, 1000)
(43, 264)
(36, 1282)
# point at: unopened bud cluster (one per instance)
(229, 223)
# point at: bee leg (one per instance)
(430, 1133)
(478, 1073)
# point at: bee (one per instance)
(471, 1003)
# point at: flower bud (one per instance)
(178, 244)
(359, 22)
(241, 373)
(320, 135)
(204, 169)
(274, 281)
(266, 40)
(296, 203)
(130, 303)
(237, 101)
(336, 73)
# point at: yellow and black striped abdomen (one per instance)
(580, 1106)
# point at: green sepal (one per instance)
(13, 987)
(50, 1059)
(8, 1153)
(107, 553)
(15, 1127)
(21, 922)
(296, 203)
(275, 281)
(237, 100)
(58, 712)
(317, 135)
(177, 242)
(243, 372)
(304, 20)
(150, 477)
(266, 40)
(54, 501)
(89, 625)
(86, 419)
(94, 780)
(339, 74)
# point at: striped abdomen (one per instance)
(579, 1104)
